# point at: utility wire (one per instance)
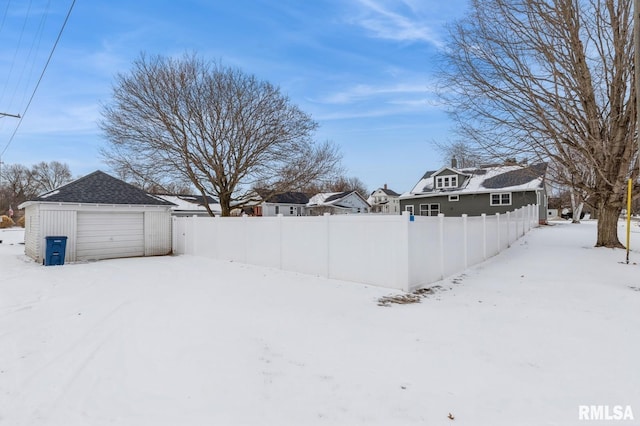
(66, 19)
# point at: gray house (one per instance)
(289, 203)
(102, 218)
(474, 191)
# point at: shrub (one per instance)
(21, 222)
(6, 222)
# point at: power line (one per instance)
(33, 94)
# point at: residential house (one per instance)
(474, 191)
(101, 217)
(192, 205)
(285, 203)
(337, 203)
(384, 200)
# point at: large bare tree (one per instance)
(553, 79)
(221, 129)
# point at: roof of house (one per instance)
(516, 177)
(290, 197)
(185, 202)
(332, 199)
(387, 191)
(100, 188)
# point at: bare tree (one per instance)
(49, 176)
(17, 186)
(339, 183)
(344, 184)
(19, 183)
(552, 79)
(217, 127)
(466, 154)
(578, 196)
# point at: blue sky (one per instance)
(363, 69)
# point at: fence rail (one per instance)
(401, 252)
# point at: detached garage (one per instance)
(102, 218)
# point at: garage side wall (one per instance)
(32, 232)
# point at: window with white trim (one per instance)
(409, 209)
(447, 182)
(454, 198)
(432, 209)
(501, 199)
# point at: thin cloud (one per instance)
(362, 92)
(408, 25)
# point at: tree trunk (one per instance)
(225, 205)
(608, 226)
(577, 212)
(576, 207)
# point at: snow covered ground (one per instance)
(522, 339)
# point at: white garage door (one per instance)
(109, 235)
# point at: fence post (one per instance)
(484, 236)
(441, 238)
(174, 236)
(465, 239)
(508, 229)
(403, 264)
(279, 216)
(327, 223)
(193, 236)
(499, 233)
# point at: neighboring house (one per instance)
(286, 203)
(102, 218)
(191, 205)
(384, 200)
(337, 203)
(474, 191)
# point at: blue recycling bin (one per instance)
(55, 250)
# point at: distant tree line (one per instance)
(19, 183)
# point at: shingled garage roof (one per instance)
(101, 188)
(516, 177)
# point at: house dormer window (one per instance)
(447, 182)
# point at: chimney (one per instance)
(385, 186)
(454, 162)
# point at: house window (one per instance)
(454, 198)
(292, 211)
(409, 209)
(432, 209)
(446, 182)
(502, 199)
(277, 209)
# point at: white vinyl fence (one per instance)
(400, 252)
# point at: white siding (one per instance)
(108, 235)
(157, 233)
(32, 232)
(56, 223)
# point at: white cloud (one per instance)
(362, 92)
(406, 25)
